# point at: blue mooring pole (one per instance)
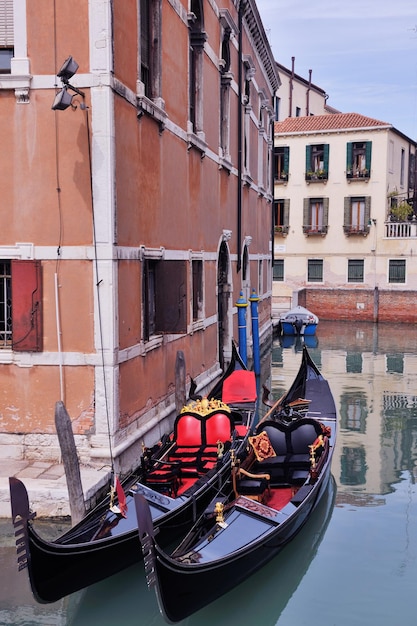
(241, 318)
(254, 299)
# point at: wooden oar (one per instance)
(272, 409)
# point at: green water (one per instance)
(355, 562)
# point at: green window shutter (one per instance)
(349, 155)
(308, 158)
(325, 213)
(306, 213)
(287, 159)
(286, 212)
(346, 217)
(368, 155)
(326, 149)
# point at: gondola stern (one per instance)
(21, 515)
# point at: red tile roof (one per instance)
(337, 121)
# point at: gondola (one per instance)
(273, 490)
(177, 477)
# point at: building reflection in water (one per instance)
(372, 371)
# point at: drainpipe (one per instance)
(239, 138)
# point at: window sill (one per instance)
(145, 105)
(154, 342)
(225, 164)
(198, 325)
(316, 180)
(315, 233)
(351, 233)
(20, 83)
(198, 142)
(357, 179)
(247, 179)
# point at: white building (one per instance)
(338, 243)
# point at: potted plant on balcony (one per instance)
(401, 212)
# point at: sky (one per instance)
(363, 53)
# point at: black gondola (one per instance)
(273, 491)
(178, 477)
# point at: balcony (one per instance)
(311, 231)
(401, 230)
(281, 231)
(353, 174)
(318, 176)
(354, 229)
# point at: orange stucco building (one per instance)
(136, 207)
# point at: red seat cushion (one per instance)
(240, 386)
(218, 427)
(188, 431)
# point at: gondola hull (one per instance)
(105, 542)
(242, 533)
(183, 590)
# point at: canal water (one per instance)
(355, 562)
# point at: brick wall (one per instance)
(360, 304)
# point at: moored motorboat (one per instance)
(298, 321)
(274, 489)
(177, 477)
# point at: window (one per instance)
(396, 271)
(277, 107)
(355, 271)
(21, 305)
(150, 48)
(197, 39)
(297, 111)
(260, 277)
(278, 270)
(281, 215)
(316, 216)
(357, 214)
(5, 304)
(197, 274)
(402, 166)
(358, 159)
(6, 55)
(317, 162)
(281, 163)
(164, 297)
(6, 36)
(315, 271)
(225, 83)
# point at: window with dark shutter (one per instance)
(6, 36)
(396, 272)
(315, 270)
(26, 294)
(358, 159)
(355, 270)
(164, 297)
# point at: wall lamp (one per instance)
(63, 99)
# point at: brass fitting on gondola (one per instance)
(218, 509)
(220, 449)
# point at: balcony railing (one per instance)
(309, 229)
(401, 230)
